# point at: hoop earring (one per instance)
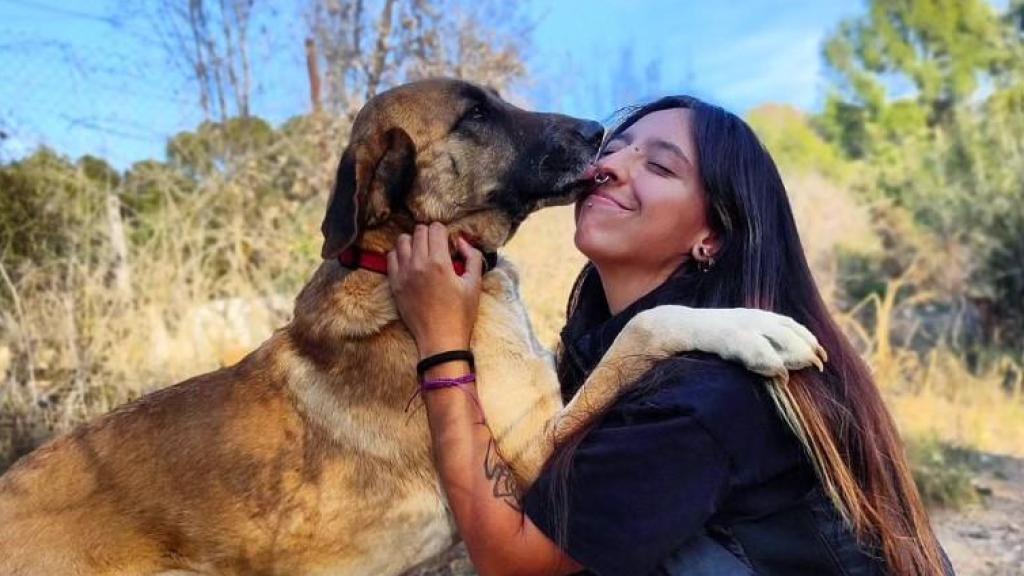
(706, 261)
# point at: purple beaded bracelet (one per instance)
(438, 383)
(427, 385)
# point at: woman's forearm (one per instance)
(439, 308)
(480, 488)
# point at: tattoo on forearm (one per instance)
(500, 475)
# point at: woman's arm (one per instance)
(439, 309)
(480, 490)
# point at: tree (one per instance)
(211, 40)
(942, 49)
(214, 146)
(370, 46)
(929, 96)
(50, 211)
(795, 144)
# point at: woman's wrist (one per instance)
(453, 369)
(445, 358)
(433, 347)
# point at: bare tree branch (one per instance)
(380, 52)
(213, 45)
(411, 39)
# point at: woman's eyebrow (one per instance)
(669, 147)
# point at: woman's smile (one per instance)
(600, 198)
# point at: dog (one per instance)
(302, 458)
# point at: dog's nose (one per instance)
(592, 132)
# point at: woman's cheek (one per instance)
(582, 235)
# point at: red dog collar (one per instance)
(354, 257)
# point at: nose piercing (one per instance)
(601, 178)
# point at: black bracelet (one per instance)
(450, 356)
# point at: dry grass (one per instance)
(983, 412)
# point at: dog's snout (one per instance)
(591, 132)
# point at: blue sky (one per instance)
(90, 76)
(738, 54)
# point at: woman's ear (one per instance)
(705, 249)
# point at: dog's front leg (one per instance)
(766, 343)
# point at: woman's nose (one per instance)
(611, 168)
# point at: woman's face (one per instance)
(651, 213)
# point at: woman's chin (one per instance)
(593, 244)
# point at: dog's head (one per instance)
(449, 151)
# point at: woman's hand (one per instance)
(438, 307)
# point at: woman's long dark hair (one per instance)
(838, 415)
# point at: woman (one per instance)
(704, 468)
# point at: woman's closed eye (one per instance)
(660, 169)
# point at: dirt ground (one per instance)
(986, 539)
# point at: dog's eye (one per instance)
(477, 112)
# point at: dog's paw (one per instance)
(766, 343)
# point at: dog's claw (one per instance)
(818, 363)
(822, 357)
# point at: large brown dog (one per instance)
(301, 459)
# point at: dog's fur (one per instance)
(301, 459)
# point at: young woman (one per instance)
(704, 469)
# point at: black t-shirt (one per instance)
(698, 443)
(661, 463)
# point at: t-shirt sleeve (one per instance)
(641, 483)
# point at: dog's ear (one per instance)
(373, 176)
